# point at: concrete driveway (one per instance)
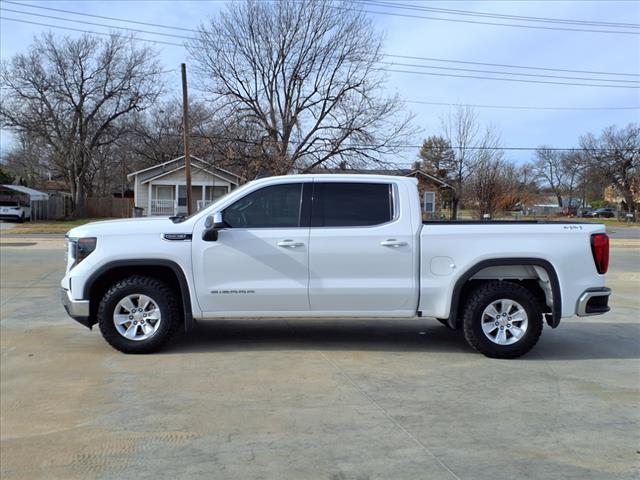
(312, 399)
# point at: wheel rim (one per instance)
(137, 317)
(504, 321)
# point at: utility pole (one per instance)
(185, 128)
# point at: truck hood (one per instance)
(129, 226)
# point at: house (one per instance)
(613, 197)
(434, 191)
(162, 190)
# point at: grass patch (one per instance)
(55, 226)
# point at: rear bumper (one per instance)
(593, 301)
(77, 309)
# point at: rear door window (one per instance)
(344, 204)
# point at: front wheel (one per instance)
(138, 314)
(502, 320)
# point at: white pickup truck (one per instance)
(346, 246)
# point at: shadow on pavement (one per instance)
(603, 340)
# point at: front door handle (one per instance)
(289, 244)
(392, 242)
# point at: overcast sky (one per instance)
(421, 37)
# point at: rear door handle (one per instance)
(289, 244)
(392, 242)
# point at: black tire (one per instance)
(484, 296)
(162, 295)
(21, 218)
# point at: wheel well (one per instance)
(99, 286)
(530, 284)
(538, 276)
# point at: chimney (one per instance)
(416, 165)
(342, 165)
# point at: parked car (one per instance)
(14, 210)
(606, 212)
(570, 211)
(350, 246)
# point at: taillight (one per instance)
(600, 250)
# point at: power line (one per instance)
(494, 72)
(432, 59)
(384, 69)
(470, 13)
(478, 22)
(85, 22)
(518, 107)
(388, 55)
(520, 80)
(103, 17)
(407, 146)
(86, 31)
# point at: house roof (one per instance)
(33, 194)
(195, 167)
(401, 172)
(166, 167)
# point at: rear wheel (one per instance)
(138, 314)
(502, 320)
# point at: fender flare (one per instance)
(148, 262)
(556, 312)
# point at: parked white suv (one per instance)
(14, 210)
(309, 246)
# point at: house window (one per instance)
(164, 192)
(429, 202)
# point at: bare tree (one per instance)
(492, 183)
(304, 74)
(73, 94)
(574, 165)
(616, 155)
(470, 145)
(27, 161)
(550, 169)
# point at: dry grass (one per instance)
(61, 226)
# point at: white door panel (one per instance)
(350, 269)
(361, 268)
(247, 270)
(259, 262)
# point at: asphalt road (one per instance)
(312, 399)
(624, 232)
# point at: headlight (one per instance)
(81, 248)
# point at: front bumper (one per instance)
(77, 309)
(593, 301)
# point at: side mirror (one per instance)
(213, 224)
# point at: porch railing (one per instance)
(163, 207)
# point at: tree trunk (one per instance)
(454, 206)
(80, 208)
(628, 198)
(560, 204)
